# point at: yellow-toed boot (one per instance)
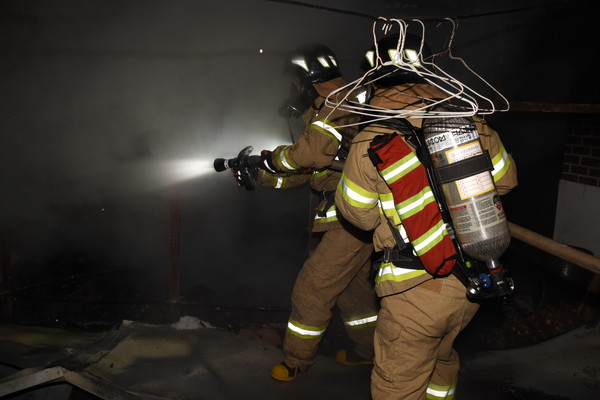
(283, 373)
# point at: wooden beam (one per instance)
(557, 249)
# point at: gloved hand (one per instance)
(245, 176)
(266, 163)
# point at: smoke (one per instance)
(112, 113)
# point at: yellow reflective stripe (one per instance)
(362, 322)
(330, 215)
(388, 208)
(305, 331)
(355, 195)
(435, 392)
(400, 168)
(416, 203)
(286, 161)
(389, 272)
(430, 238)
(501, 162)
(328, 129)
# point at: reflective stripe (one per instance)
(416, 203)
(501, 163)
(361, 322)
(330, 215)
(435, 392)
(355, 195)
(279, 182)
(330, 129)
(305, 331)
(389, 272)
(430, 238)
(286, 161)
(400, 168)
(388, 208)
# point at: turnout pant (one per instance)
(337, 273)
(414, 337)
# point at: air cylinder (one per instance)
(473, 202)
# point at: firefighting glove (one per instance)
(266, 163)
(245, 176)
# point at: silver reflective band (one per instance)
(413, 160)
(329, 214)
(357, 196)
(329, 129)
(416, 203)
(302, 331)
(434, 235)
(279, 183)
(284, 161)
(361, 321)
(440, 393)
(500, 164)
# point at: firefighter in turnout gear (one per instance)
(337, 273)
(420, 315)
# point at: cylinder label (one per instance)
(474, 216)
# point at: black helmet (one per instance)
(311, 63)
(390, 75)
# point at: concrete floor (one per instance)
(187, 362)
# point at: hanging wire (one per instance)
(464, 99)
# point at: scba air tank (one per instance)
(473, 202)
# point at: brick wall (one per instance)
(581, 162)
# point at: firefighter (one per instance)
(337, 273)
(420, 315)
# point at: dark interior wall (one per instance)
(101, 100)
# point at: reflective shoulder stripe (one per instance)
(329, 129)
(389, 272)
(305, 331)
(400, 168)
(355, 195)
(501, 162)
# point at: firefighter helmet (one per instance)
(387, 50)
(308, 64)
(313, 63)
